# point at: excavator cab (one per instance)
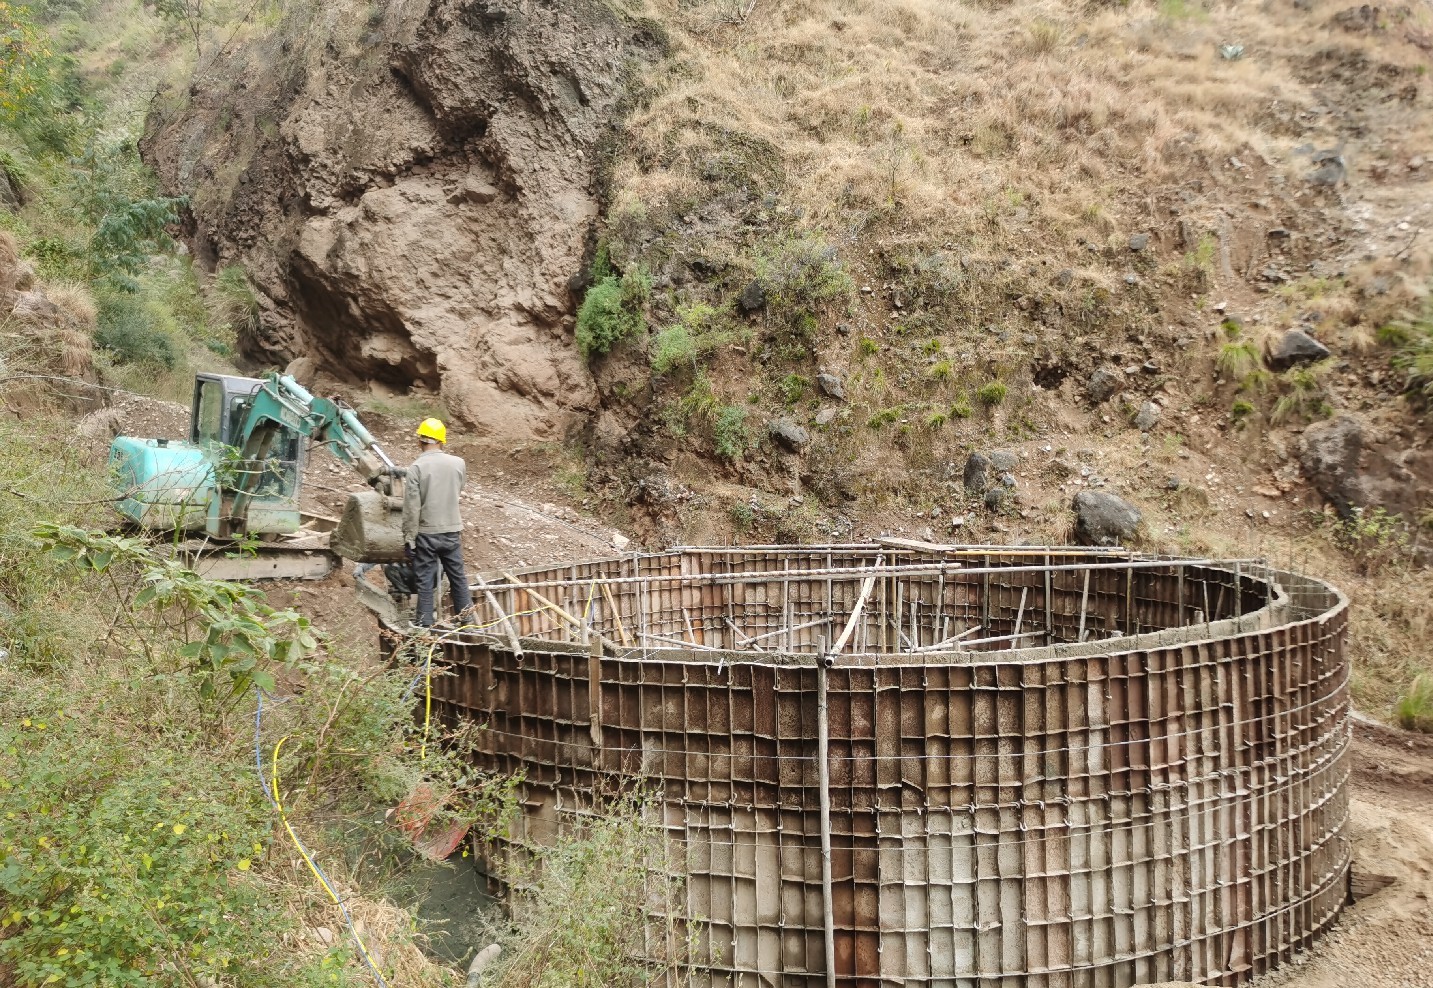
(220, 408)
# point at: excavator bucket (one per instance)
(371, 529)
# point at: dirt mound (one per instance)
(411, 193)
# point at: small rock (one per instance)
(1102, 518)
(752, 298)
(1066, 276)
(1007, 479)
(479, 190)
(1147, 417)
(1172, 483)
(827, 415)
(995, 498)
(620, 542)
(977, 469)
(1150, 367)
(482, 962)
(324, 934)
(1004, 460)
(1103, 384)
(788, 434)
(1131, 279)
(1139, 242)
(1330, 173)
(1415, 163)
(958, 521)
(831, 386)
(1296, 347)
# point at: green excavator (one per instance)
(239, 475)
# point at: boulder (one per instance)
(1104, 383)
(1329, 453)
(1147, 417)
(977, 473)
(1296, 347)
(1139, 242)
(831, 386)
(1004, 461)
(1102, 518)
(752, 298)
(787, 434)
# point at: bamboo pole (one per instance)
(1084, 600)
(860, 604)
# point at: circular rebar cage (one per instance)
(1025, 766)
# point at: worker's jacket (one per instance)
(430, 495)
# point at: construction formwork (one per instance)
(948, 766)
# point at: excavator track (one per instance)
(304, 555)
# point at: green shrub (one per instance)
(1241, 410)
(883, 417)
(960, 408)
(1412, 343)
(611, 312)
(732, 438)
(126, 329)
(1238, 359)
(1414, 710)
(673, 347)
(593, 903)
(1304, 397)
(794, 388)
(235, 303)
(991, 393)
(935, 420)
(866, 346)
(801, 276)
(942, 371)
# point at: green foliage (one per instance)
(884, 417)
(1241, 410)
(673, 347)
(235, 304)
(1304, 396)
(742, 515)
(1238, 359)
(935, 420)
(942, 371)
(612, 312)
(793, 388)
(1414, 710)
(1374, 538)
(127, 328)
(960, 408)
(731, 437)
(991, 393)
(232, 640)
(866, 346)
(1412, 343)
(593, 903)
(24, 63)
(130, 864)
(802, 277)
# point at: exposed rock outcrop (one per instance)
(413, 213)
(1352, 470)
(1104, 519)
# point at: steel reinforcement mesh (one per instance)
(1053, 767)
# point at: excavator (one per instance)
(237, 479)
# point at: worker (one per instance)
(432, 526)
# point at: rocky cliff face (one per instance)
(411, 193)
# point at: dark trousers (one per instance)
(429, 553)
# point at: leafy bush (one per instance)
(236, 305)
(991, 393)
(611, 312)
(127, 329)
(794, 388)
(801, 276)
(960, 408)
(588, 907)
(1304, 397)
(866, 346)
(1375, 538)
(1412, 343)
(673, 347)
(1414, 710)
(1238, 359)
(731, 437)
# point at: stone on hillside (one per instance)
(1004, 461)
(995, 498)
(1147, 417)
(1329, 453)
(827, 415)
(1296, 347)
(788, 434)
(1139, 242)
(831, 386)
(752, 298)
(1102, 518)
(977, 473)
(1103, 384)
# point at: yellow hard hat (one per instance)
(433, 429)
